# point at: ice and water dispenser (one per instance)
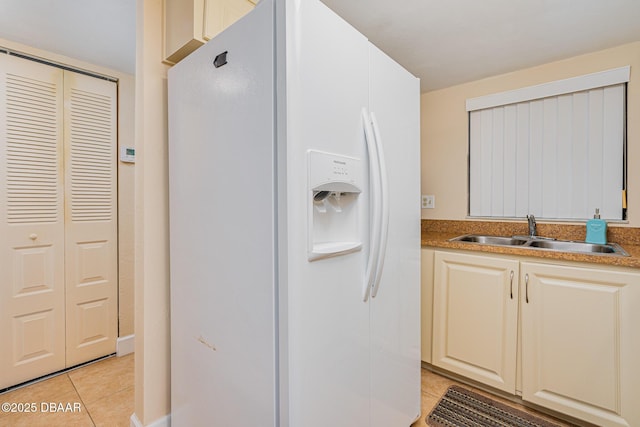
(335, 183)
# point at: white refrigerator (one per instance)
(294, 170)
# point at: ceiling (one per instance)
(444, 42)
(100, 32)
(448, 42)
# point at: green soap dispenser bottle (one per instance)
(596, 229)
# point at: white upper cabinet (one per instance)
(191, 23)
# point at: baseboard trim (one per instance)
(160, 422)
(134, 421)
(125, 345)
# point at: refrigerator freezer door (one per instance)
(395, 309)
(328, 323)
(221, 177)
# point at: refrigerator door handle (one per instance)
(375, 206)
(384, 207)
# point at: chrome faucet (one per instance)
(532, 225)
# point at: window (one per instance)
(555, 150)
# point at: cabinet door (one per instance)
(580, 342)
(475, 317)
(219, 14)
(191, 23)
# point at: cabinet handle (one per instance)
(526, 288)
(511, 284)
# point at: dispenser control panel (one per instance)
(342, 172)
(340, 168)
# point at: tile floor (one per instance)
(98, 394)
(103, 392)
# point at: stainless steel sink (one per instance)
(543, 243)
(571, 246)
(490, 240)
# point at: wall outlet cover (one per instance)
(428, 201)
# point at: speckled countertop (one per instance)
(436, 233)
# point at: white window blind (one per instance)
(558, 157)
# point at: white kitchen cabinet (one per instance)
(581, 342)
(475, 317)
(191, 23)
(578, 329)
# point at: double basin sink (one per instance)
(535, 242)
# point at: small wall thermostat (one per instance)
(128, 154)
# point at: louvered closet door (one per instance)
(91, 227)
(32, 294)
